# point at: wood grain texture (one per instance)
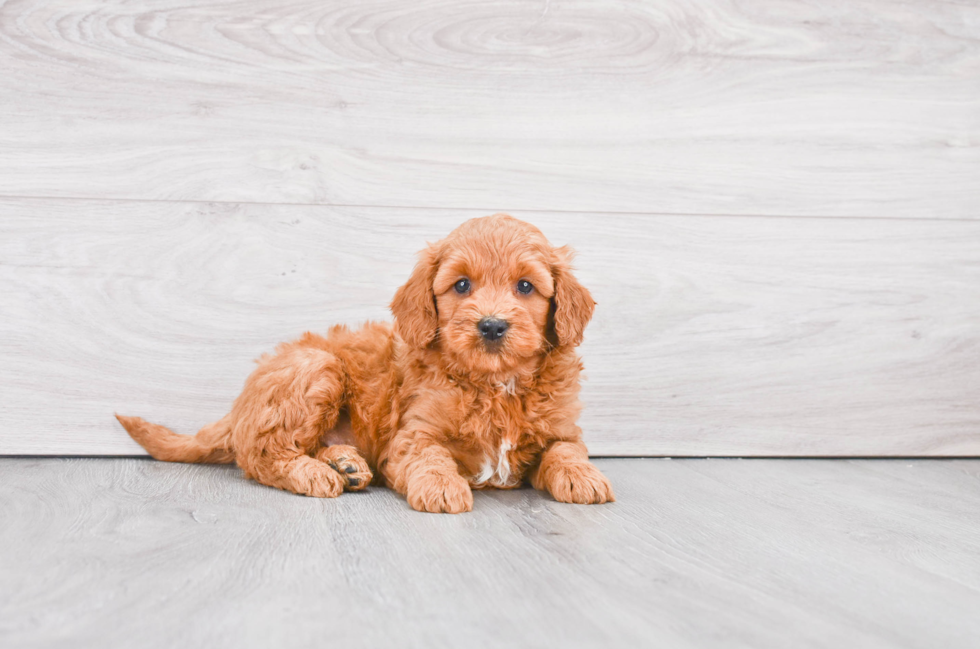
(713, 335)
(858, 108)
(695, 553)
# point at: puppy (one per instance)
(475, 386)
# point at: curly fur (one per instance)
(428, 406)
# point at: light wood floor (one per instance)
(695, 553)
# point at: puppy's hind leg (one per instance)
(287, 404)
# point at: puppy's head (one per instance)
(492, 295)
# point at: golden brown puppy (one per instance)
(475, 386)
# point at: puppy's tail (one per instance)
(211, 445)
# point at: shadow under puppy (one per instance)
(475, 386)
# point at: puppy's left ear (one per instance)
(572, 304)
(414, 304)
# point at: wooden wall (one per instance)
(776, 204)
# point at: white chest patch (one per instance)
(495, 471)
(510, 387)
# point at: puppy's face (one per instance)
(492, 295)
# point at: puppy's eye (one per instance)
(462, 286)
(524, 287)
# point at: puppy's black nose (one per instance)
(493, 329)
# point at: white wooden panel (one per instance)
(714, 335)
(839, 108)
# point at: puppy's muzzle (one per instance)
(492, 330)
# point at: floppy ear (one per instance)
(572, 304)
(414, 305)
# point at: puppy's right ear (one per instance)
(572, 305)
(414, 304)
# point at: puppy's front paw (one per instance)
(436, 491)
(580, 483)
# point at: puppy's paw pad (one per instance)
(354, 472)
(440, 492)
(349, 465)
(581, 484)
